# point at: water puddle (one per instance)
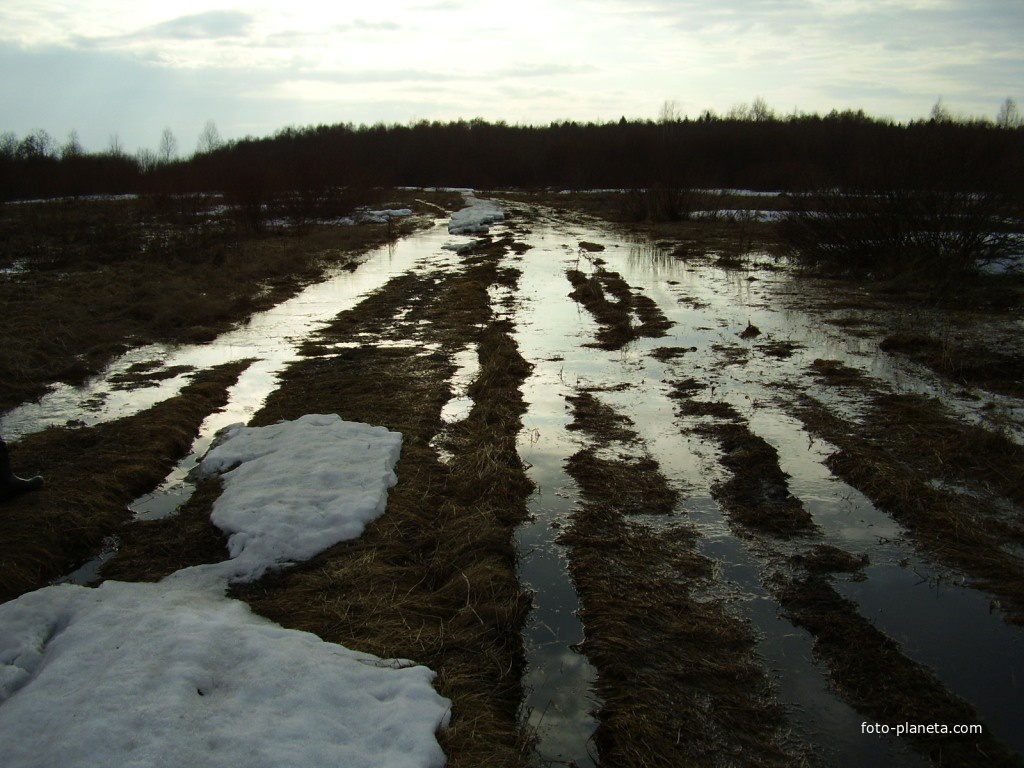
(935, 618)
(271, 338)
(948, 627)
(550, 331)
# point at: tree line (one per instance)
(751, 148)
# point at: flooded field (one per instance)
(755, 537)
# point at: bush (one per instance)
(656, 204)
(937, 235)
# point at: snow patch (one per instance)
(476, 217)
(176, 673)
(293, 489)
(154, 675)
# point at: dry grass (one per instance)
(905, 444)
(634, 485)
(783, 350)
(757, 495)
(616, 316)
(677, 676)
(150, 550)
(664, 354)
(836, 374)
(874, 676)
(601, 421)
(92, 474)
(162, 270)
(995, 370)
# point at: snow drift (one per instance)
(476, 217)
(175, 673)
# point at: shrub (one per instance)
(656, 204)
(937, 235)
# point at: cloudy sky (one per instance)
(135, 67)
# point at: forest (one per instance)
(754, 150)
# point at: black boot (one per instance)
(10, 484)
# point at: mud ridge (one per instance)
(92, 474)
(869, 669)
(678, 675)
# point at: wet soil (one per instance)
(92, 474)
(152, 269)
(434, 580)
(777, 521)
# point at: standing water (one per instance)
(936, 621)
(933, 617)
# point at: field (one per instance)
(664, 497)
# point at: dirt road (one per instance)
(662, 505)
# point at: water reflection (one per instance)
(710, 305)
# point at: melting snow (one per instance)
(176, 673)
(476, 217)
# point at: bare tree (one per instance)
(168, 148)
(8, 145)
(209, 138)
(739, 111)
(670, 112)
(37, 144)
(114, 147)
(72, 147)
(760, 110)
(1009, 116)
(147, 159)
(941, 113)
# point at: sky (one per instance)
(132, 68)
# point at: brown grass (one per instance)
(874, 676)
(995, 370)
(151, 271)
(595, 418)
(835, 373)
(635, 485)
(904, 445)
(757, 495)
(92, 474)
(677, 676)
(664, 354)
(616, 316)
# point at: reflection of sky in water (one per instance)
(710, 307)
(946, 627)
(271, 337)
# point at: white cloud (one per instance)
(279, 63)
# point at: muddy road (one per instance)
(657, 504)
